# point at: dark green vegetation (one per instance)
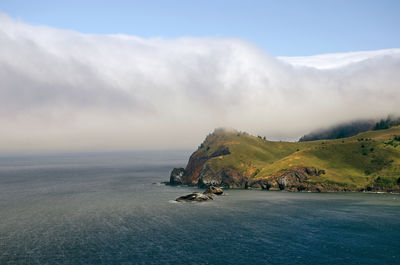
(368, 161)
(386, 124)
(351, 129)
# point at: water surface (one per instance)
(104, 209)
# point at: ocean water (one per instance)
(104, 208)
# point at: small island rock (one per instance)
(194, 197)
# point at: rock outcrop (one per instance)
(227, 178)
(194, 197)
(176, 176)
(212, 190)
(196, 164)
(201, 197)
(294, 179)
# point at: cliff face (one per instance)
(231, 159)
(197, 171)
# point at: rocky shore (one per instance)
(297, 179)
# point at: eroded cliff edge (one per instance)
(227, 158)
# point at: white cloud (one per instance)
(66, 90)
(337, 60)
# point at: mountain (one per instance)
(369, 161)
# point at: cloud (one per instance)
(337, 60)
(63, 90)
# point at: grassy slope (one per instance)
(355, 161)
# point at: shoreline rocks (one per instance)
(214, 191)
(295, 179)
(176, 176)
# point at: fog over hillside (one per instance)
(63, 90)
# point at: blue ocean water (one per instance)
(104, 208)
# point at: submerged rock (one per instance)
(212, 190)
(176, 176)
(194, 197)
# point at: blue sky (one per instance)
(281, 28)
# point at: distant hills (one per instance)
(350, 129)
(369, 161)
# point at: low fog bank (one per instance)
(63, 90)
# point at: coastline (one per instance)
(368, 162)
(290, 191)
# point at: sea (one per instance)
(111, 208)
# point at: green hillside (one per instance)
(367, 161)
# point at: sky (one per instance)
(151, 76)
(280, 28)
